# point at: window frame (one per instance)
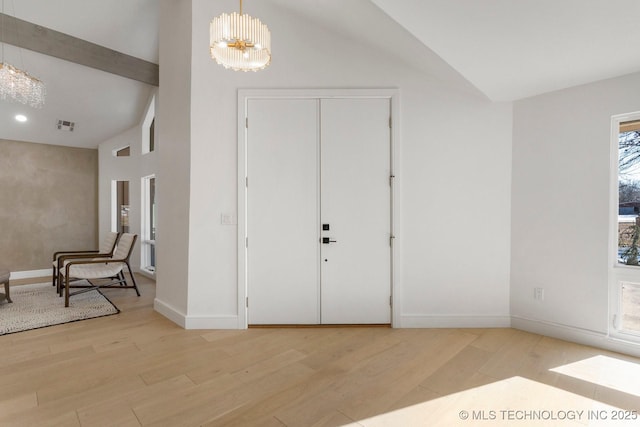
(619, 274)
(147, 243)
(116, 152)
(147, 131)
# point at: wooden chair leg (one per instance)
(133, 279)
(66, 290)
(60, 284)
(6, 291)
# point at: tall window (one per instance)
(148, 259)
(149, 129)
(629, 192)
(120, 192)
(625, 272)
(152, 135)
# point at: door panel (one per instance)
(355, 202)
(282, 212)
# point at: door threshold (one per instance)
(356, 325)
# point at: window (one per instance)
(629, 192)
(629, 307)
(122, 152)
(625, 232)
(120, 206)
(149, 129)
(152, 135)
(148, 258)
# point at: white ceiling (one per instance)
(512, 49)
(506, 49)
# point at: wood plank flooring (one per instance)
(139, 369)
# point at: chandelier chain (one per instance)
(2, 59)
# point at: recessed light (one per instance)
(21, 118)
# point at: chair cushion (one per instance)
(4, 275)
(94, 271)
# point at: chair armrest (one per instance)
(61, 259)
(96, 261)
(55, 255)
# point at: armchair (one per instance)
(98, 270)
(107, 246)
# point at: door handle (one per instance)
(327, 240)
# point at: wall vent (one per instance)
(65, 125)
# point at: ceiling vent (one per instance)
(65, 125)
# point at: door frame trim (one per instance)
(244, 95)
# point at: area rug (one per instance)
(38, 306)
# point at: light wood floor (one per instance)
(137, 368)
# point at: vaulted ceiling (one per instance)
(506, 49)
(515, 49)
(100, 104)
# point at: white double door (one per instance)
(318, 211)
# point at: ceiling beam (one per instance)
(50, 42)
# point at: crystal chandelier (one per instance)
(17, 85)
(240, 42)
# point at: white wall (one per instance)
(560, 207)
(456, 192)
(173, 148)
(132, 169)
(454, 178)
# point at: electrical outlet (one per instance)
(538, 293)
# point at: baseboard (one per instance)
(212, 322)
(170, 312)
(577, 335)
(195, 322)
(145, 273)
(448, 321)
(30, 274)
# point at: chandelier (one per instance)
(240, 42)
(17, 85)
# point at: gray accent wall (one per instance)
(49, 199)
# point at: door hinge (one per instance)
(247, 302)
(246, 181)
(246, 242)
(246, 122)
(391, 300)
(391, 177)
(391, 239)
(390, 122)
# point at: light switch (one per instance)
(228, 219)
